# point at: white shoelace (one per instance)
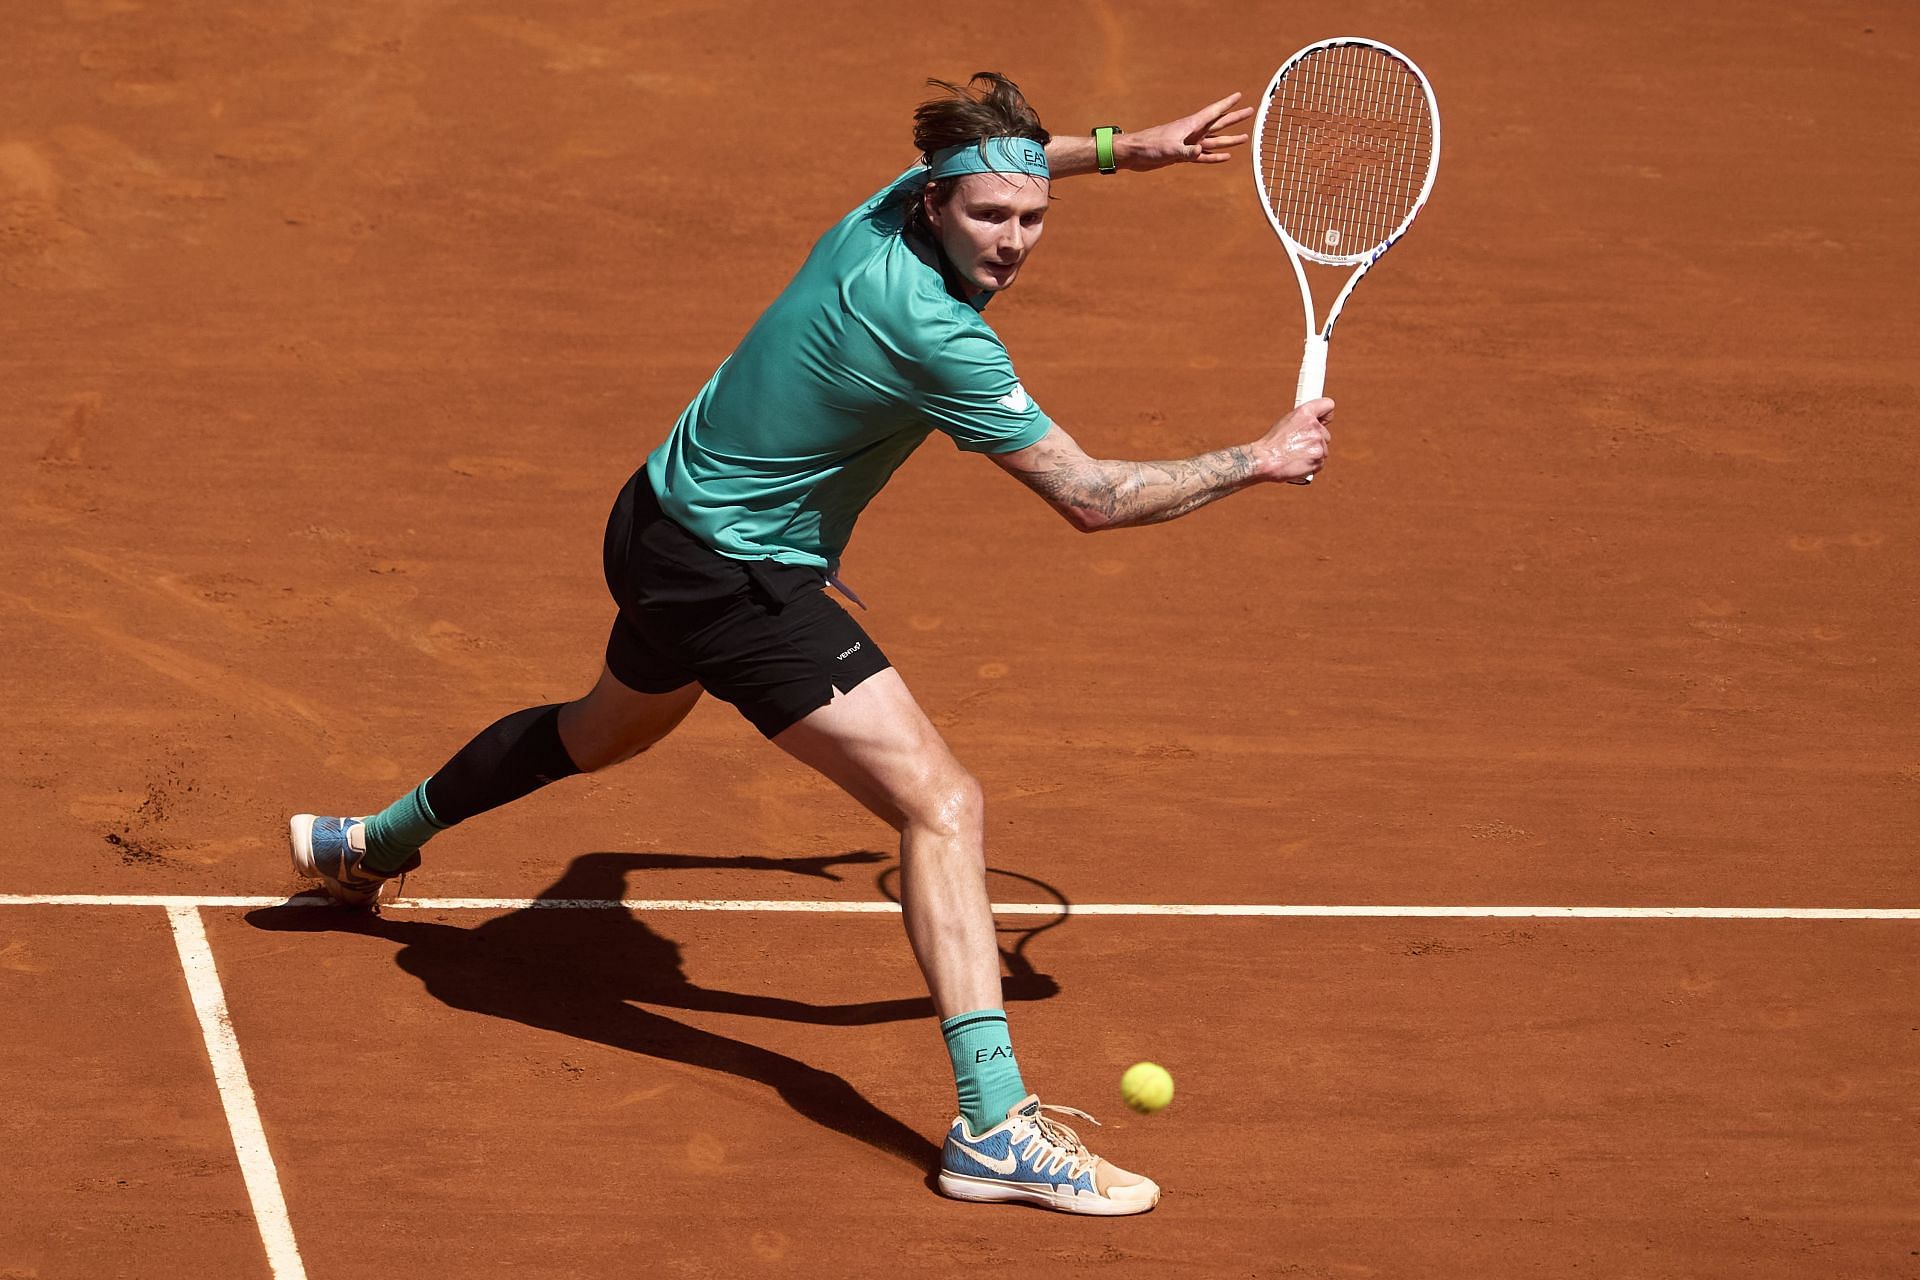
(1052, 1145)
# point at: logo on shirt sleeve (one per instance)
(1016, 399)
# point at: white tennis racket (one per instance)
(1349, 142)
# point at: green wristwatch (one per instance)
(1103, 147)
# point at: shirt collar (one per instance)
(926, 249)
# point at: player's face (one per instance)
(988, 224)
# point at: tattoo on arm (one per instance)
(1114, 495)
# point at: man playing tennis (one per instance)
(719, 549)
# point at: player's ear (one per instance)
(932, 196)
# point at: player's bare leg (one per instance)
(517, 754)
(613, 723)
(878, 745)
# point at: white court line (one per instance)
(236, 1094)
(243, 1115)
(1368, 911)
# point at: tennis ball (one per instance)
(1146, 1087)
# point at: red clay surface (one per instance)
(117, 1160)
(328, 332)
(1378, 1098)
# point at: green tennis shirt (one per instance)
(857, 361)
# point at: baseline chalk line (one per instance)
(236, 1093)
(174, 903)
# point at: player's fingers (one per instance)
(1218, 109)
(1215, 140)
(1233, 117)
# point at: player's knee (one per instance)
(599, 732)
(619, 755)
(593, 751)
(951, 803)
(634, 742)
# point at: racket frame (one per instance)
(1313, 357)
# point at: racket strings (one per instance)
(1349, 140)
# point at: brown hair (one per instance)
(987, 106)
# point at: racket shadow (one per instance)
(1045, 907)
(585, 973)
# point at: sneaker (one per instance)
(329, 850)
(1032, 1159)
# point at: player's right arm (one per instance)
(1097, 493)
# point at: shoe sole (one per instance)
(300, 836)
(960, 1186)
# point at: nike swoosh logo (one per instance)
(1016, 399)
(1003, 1164)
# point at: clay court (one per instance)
(1507, 842)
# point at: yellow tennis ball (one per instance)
(1146, 1087)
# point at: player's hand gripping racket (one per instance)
(1349, 142)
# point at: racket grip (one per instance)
(1313, 379)
(1313, 371)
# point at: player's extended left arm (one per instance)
(1098, 493)
(1200, 138)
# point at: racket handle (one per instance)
(1313, 371)
(1313, 379)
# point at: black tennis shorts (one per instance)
(757, 633)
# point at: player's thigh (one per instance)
(876, 743)
(615, 722)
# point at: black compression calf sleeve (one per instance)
(512, 757)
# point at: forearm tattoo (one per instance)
(1115, 495)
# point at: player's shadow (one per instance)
(584, 972)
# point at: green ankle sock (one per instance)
(396, 833)
(983, 1066)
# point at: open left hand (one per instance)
(1200, 138)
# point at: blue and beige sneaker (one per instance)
(1031, 1159)
(329, 850)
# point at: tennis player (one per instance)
(720, 547)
